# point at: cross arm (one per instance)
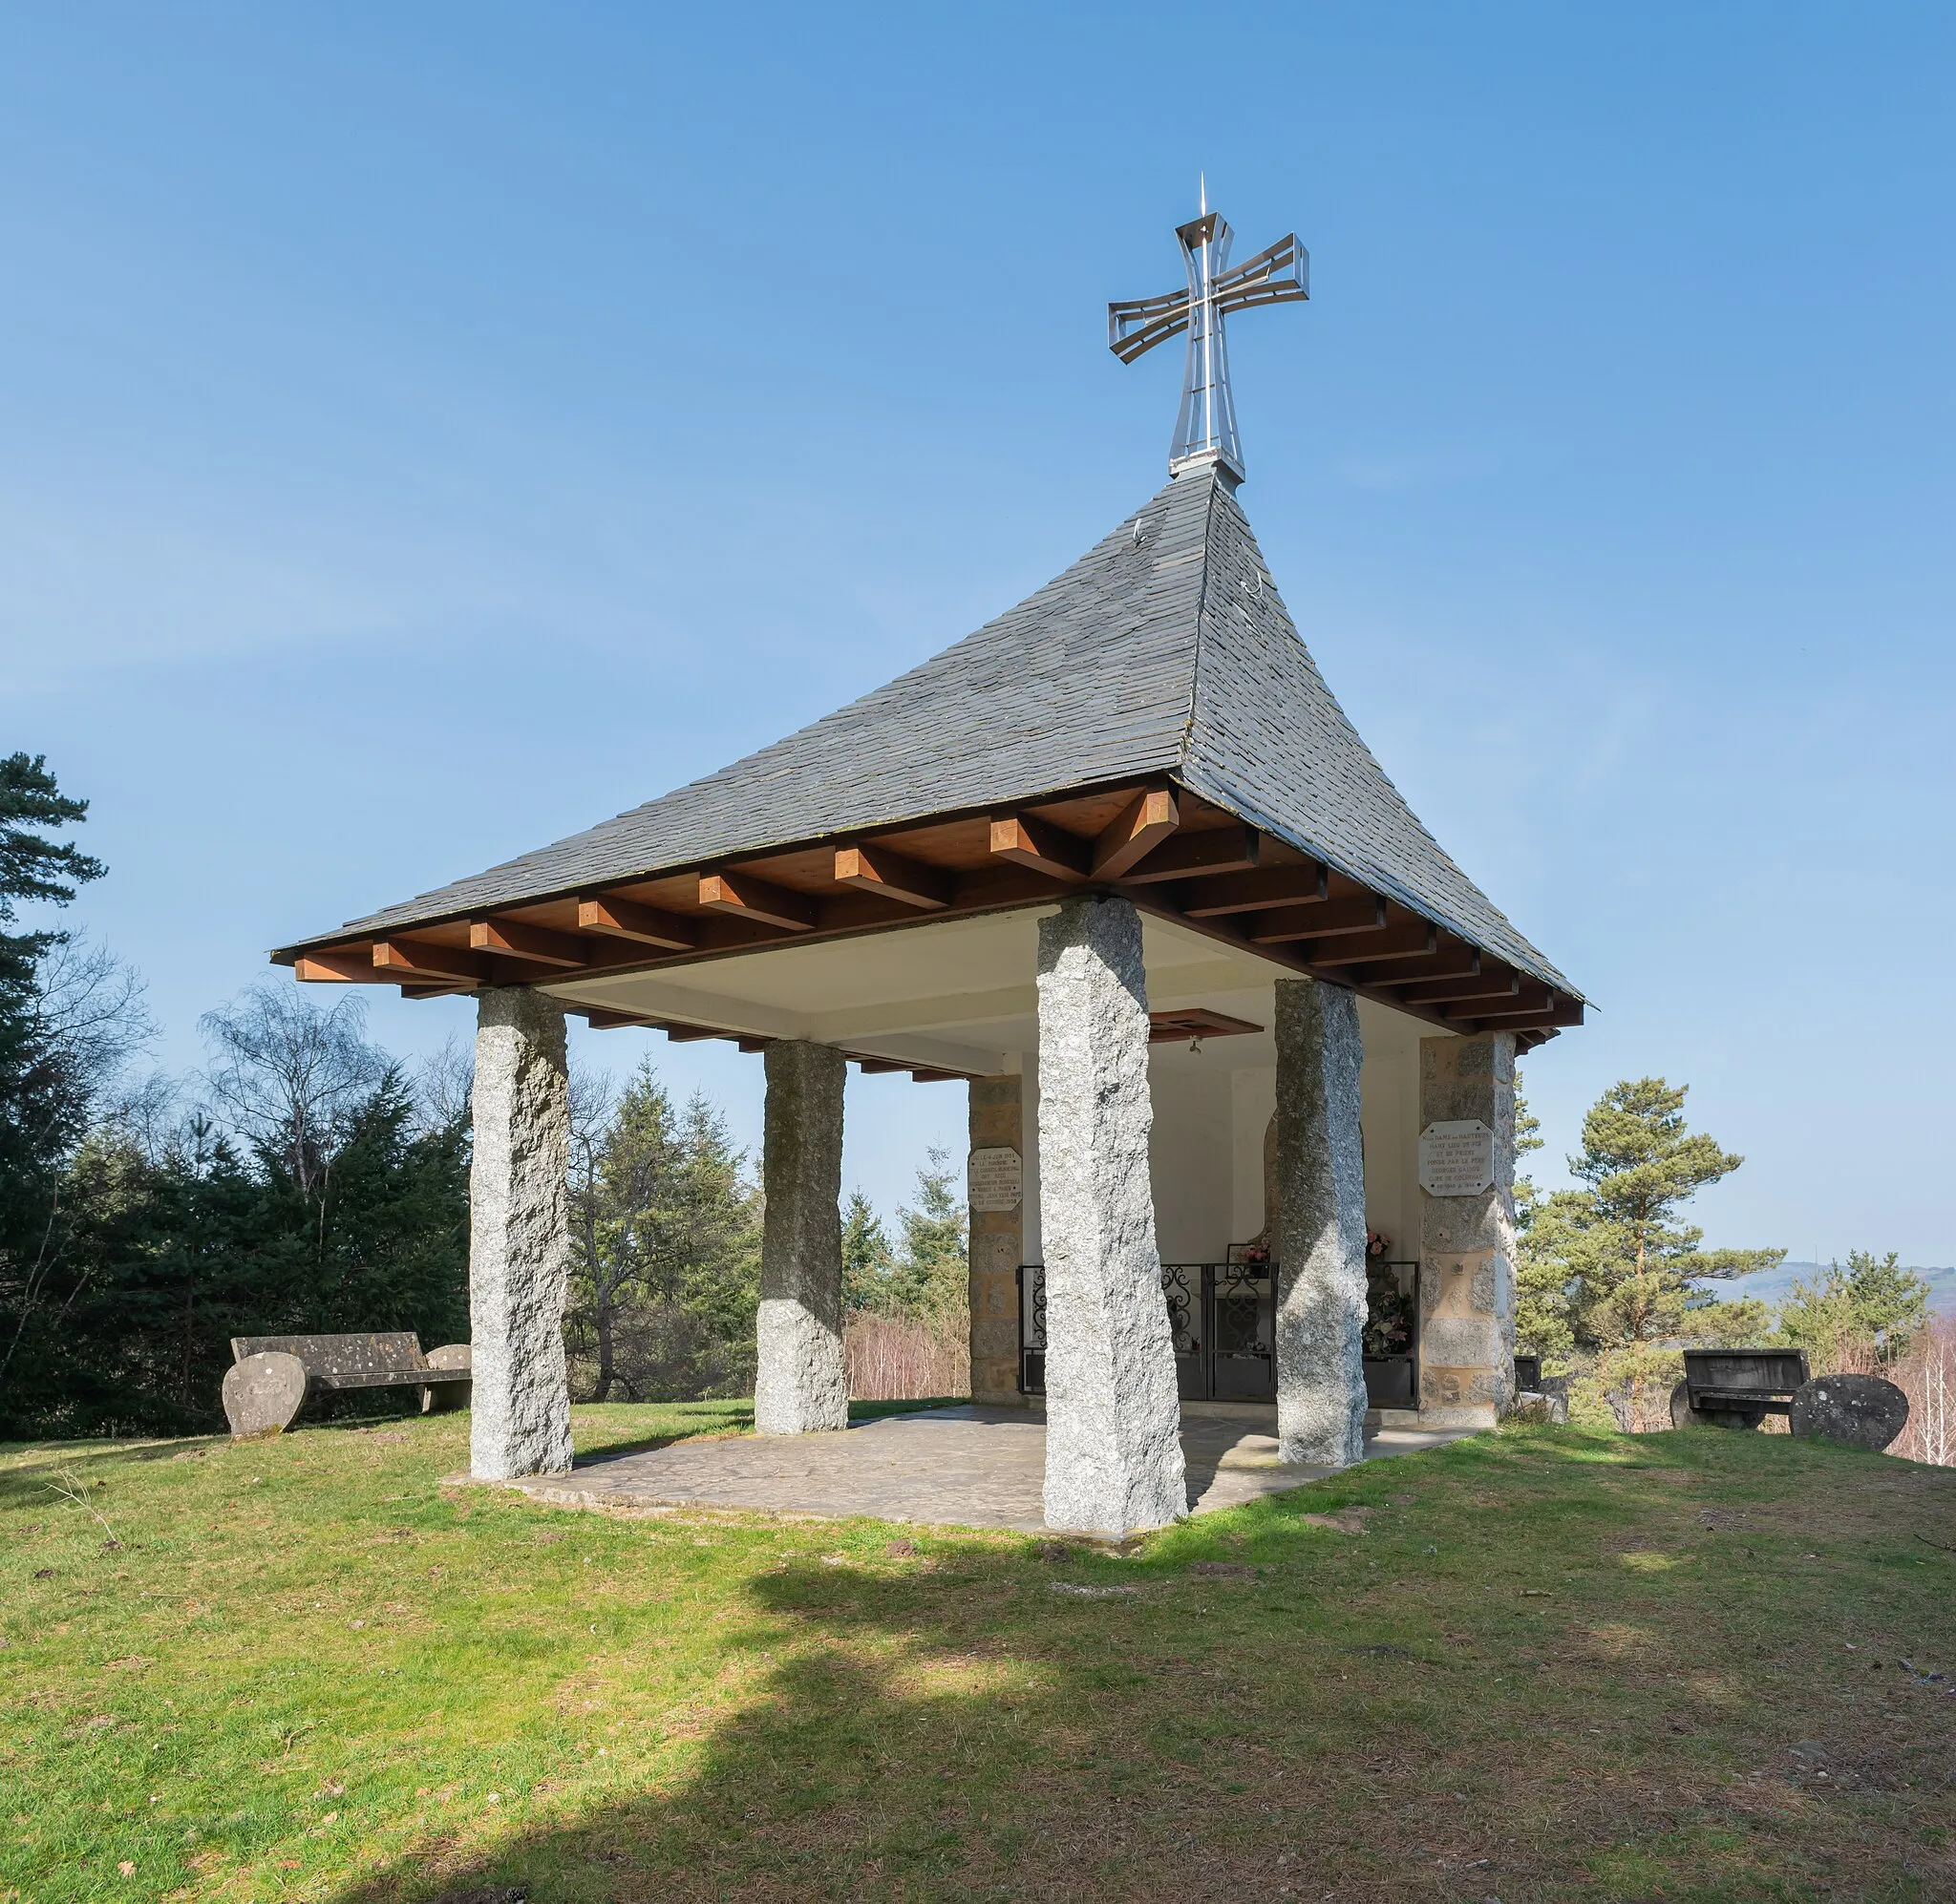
(1278, 274)
(1135, 328)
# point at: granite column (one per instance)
(1318, 1242)
(800, 1385)
(1113, 1464)
(519, 1238)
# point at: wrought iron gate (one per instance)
(1222, 1319)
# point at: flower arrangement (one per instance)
(1387, 1305)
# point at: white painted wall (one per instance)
(1190, 1155)
(1206, 1160)
(1252, 1104)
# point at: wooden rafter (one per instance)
(1449, 962)
(1487, 986)
(1334, 919)
(1551, 1018)
(742, 896)
(339, 968)
(1226, 849)
(1025, 841)
(873, 868)
(419, 959)
(1176, 856)
(1260, 891)
(1144, 823)
(644, 925)
(1551, 1010)
(539, 944)
(1410, 939)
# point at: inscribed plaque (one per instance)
(996, 1178)
(1456, 1160)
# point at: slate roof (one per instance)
(1165, 649)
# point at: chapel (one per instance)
(1238, 1035)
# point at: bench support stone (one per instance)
(262, 1394)
(1113, 1464)
(1319, 1237)
(801, 1386)
(520, 1238)
(1467, 1243)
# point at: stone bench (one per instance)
(1737, 1387)
(272, 1376)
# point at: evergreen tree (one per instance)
(167, 1247)
(1630, 1273)
(388, 1247)
(1872, 1301)
(41, 1116)
(931, 1278)
(1542, 1301)
(719, 1212)
(868, 1261)
(667, 1279)
(67, 1018)
(622, 1166)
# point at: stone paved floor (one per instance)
(960, 1467)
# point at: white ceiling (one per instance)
(952, 993)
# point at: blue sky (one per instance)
(426, 431)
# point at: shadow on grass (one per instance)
(1256, 1704)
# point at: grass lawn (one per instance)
(1545, 1664)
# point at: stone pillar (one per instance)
(1113, 1417)
(1467, 1243)
(997, 1245)
(519, 1238)
(801, 1386)
(1318, 1242)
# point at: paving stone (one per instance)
(959, 1467)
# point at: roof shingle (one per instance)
(1164, 649)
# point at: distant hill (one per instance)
(1775, 1285)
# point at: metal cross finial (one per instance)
(1205, 430)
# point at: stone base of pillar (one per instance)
(519, 1238)
(1319, 1233)
(799, 1383)
(1114, 1463)
(996, 1250)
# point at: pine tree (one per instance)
(46, 1089)
(622, 1173)
(932, 1275)
(1872, 1301)
(1542, 1302)
(41, 1113)
(868, 1261)
(667, 1278)
(1630, 1274)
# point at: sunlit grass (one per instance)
(1553, 1664)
